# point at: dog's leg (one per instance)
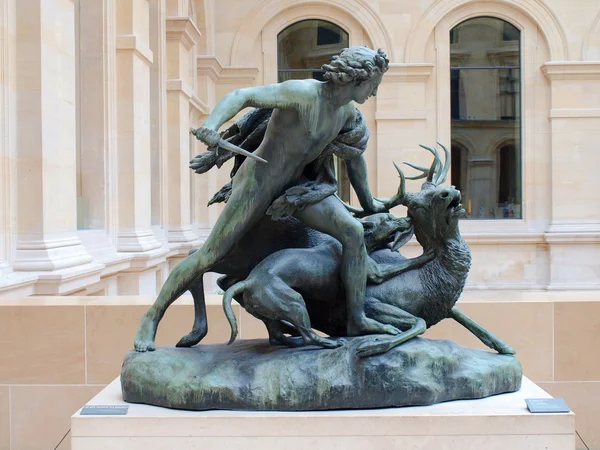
(485, 336)
(294, 311)
(385, 313)
(276, 336)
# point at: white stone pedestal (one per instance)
(496, 423)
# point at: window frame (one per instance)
(496, 145)
(534, 90)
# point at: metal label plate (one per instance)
(104, 410)
(547, 405)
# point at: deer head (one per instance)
(435, 210)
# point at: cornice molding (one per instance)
(184, 30)
(211, 66)
(408, 72)
(572, 70)
(132, 43)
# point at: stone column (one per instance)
(7, 112)
(182, 36)
(134, 59)
(573, 235)
(97, 115)
(46, 132)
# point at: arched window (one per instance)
(485, 91)
(302, 48)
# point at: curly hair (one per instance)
(355, 64)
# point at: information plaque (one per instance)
(547, 405)
(104, 410)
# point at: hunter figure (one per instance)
(308, 115)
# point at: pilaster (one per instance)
(45, 156)
(573, 235)
(182, 36)
(134, 59)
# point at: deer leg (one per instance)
(385, 313)
(485, 336)
(378, 273)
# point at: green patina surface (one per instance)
(252, 375)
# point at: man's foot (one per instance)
(370, 326)
(144, 339)
(504, 349)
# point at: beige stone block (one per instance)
(4, 418)
(111, 331)
(41, 414)
(582, 398)
(526, 326)
(577, 339)
(42, 344)
(551, 442)
(502, 264)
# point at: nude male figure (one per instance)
(308, 115)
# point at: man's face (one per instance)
(367, 88)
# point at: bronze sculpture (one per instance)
(298, 258)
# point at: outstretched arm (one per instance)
(288, 94)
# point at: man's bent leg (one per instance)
(331, 217)
(242, 211)
(177, 283)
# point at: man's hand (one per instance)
(210, 137)
(377, 207)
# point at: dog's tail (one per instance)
(234, 290)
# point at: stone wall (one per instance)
(57, 352)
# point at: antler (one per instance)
(389, 203)
(437, 173)
(398, 197)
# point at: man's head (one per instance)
(355, 65)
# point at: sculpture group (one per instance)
(298, 258)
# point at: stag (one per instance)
(416, 300)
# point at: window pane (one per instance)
(484, 41)
(485, 90)
(309, 44)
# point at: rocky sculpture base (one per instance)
(252, 375)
